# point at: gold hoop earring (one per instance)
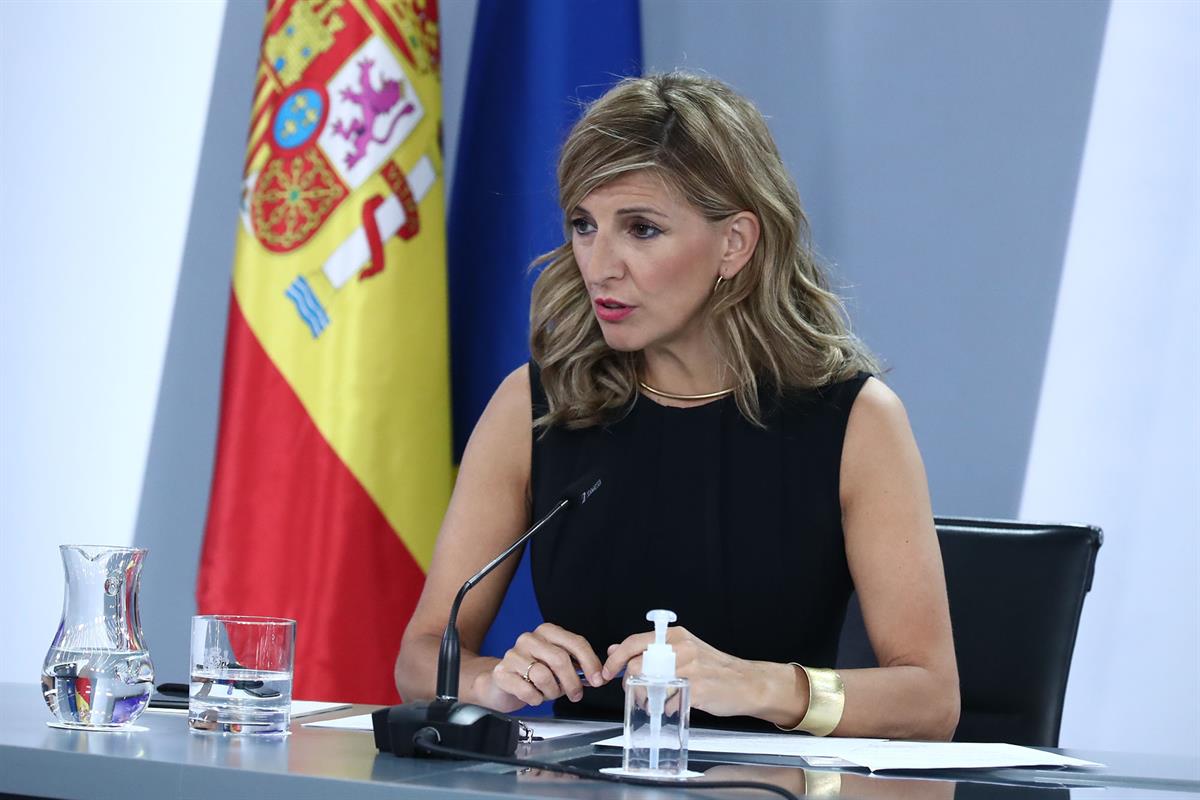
(720, 280)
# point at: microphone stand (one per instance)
(461, 726)
(449, 656)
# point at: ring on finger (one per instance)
(525, 674)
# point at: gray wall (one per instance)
(937, 148)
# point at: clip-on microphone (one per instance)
(463, 726)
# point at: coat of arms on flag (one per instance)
(341, 104)
(333, 463)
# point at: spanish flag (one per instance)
(334, 455)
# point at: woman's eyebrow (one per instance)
(631, 210)
(642, 209)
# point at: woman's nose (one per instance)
(603, 261)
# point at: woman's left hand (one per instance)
(720, 683)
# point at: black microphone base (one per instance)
(460, 726)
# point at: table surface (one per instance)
(168, 761)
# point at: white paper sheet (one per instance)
(547, 728)
(542, 727)
(957, 755)
(704, 740)
(874, 754)
(307, 708)
(359, 722)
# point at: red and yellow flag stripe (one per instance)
(333, 464)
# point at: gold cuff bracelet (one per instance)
(826, 701)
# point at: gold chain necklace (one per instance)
(668, 395)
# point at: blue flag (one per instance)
(534, 64)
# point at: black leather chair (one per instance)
(1016, 593)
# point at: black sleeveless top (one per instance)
(736, 529)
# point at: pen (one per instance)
(583, 674)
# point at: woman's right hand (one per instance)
(540, 666)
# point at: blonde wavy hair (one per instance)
(776, 323)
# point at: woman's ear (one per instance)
(741, 237)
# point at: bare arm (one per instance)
(489, 509)
(894, 558)
(896, 563)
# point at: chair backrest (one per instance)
(1016, 593)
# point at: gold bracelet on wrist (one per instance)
(826, 701)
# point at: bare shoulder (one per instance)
(503, 435)
(876, 405)
(512, 396)
(879, 449)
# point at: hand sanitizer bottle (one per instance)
(656, 709)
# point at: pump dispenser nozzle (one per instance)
(658, 666)
(659, 659)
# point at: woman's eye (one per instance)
(643, 230)
(581, 225)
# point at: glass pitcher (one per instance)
(97, 673)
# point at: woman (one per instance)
(685, 343)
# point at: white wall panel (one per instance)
(104, 107)
(1117, 437)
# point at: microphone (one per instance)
(463, 726)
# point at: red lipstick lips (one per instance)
(610, 310)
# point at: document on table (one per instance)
(874, 754)
(359, 722)
(307, 708)
(954, 756)
(957, 755)
(543, 728)
(704, 740)
(551, 728)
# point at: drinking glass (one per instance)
(241, 675)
